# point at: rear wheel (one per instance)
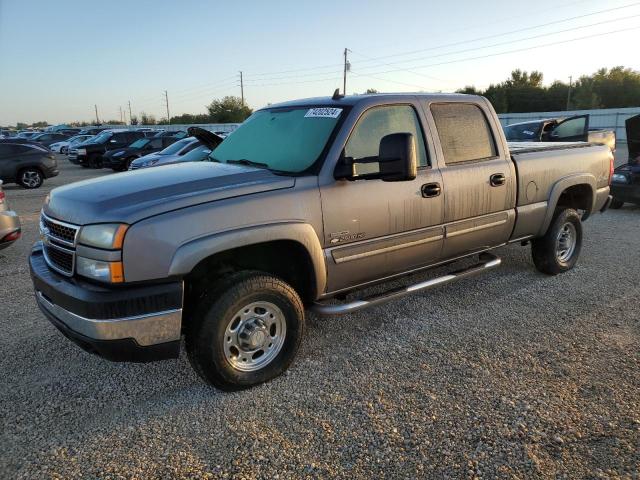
(30, 178)
(616, 204)
(246, 331)
(558, 250)
(128, 163)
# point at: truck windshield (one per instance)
(522, 131)
(283, 139)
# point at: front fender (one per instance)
(559, 187)
(190, 254)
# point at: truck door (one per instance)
(572, 129)
(374, 229)
(478, 175)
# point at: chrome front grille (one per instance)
(59, 239)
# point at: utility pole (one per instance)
(569, 92)
(97, 120)
(130, 116)
(241, 88)
(166, 99)
(347, 67)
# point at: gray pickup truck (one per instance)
(305, 202)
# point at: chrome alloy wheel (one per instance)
(31, 178)
(254, 336)
(566, 242)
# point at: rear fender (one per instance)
(560, 187)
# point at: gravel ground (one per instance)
(513, 374)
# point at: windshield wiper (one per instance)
(251, 163)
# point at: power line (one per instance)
(557, 42)
(533, 37)
(436, 47)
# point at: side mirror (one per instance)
(396, 161)
(397, 156)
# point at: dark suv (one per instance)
(26, 164)
(89, 154)
(120, 159)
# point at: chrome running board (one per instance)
(487, 262)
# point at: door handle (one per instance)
(497, 179)
(430, 190)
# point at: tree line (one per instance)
(523, 91)
(618, 87)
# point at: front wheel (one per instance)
(558, 250)
(246, 331)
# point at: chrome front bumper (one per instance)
(146, 330)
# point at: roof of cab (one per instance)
(351, 100)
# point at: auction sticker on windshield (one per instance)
(323, 113)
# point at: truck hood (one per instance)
(135, 195)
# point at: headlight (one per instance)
(149, 163)
(109, 236)
(619, 178)
(111, 272)
(81, 151)
(118, 154)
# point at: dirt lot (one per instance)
(514, 374)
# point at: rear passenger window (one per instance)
(464, 132)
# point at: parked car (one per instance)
(26, 164)
(94, 130)
(170, 154)
(171, 133)
(70, 131)
(48, 138)
(305, 201)
(120, 159)
(63, 147)
(208, 142)
(89, 154)
(9, 222)
(4, 133)
(571, 129)
(27, 135)
(625, 183)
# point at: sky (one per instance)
(59, 59)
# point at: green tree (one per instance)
(228, 110)
(469, 90)
(371, 90)
(146, 119)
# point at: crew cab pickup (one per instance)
(571, 129)
(305, 202)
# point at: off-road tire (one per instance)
(205, 334)
(545, 250)
(616, 204)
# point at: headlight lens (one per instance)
(99, 270)
(619, 178)
(109, 236)
(82, 151)
(118, 154)
(148, 163)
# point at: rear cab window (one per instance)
(464, 132)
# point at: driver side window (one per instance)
(380, 122)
